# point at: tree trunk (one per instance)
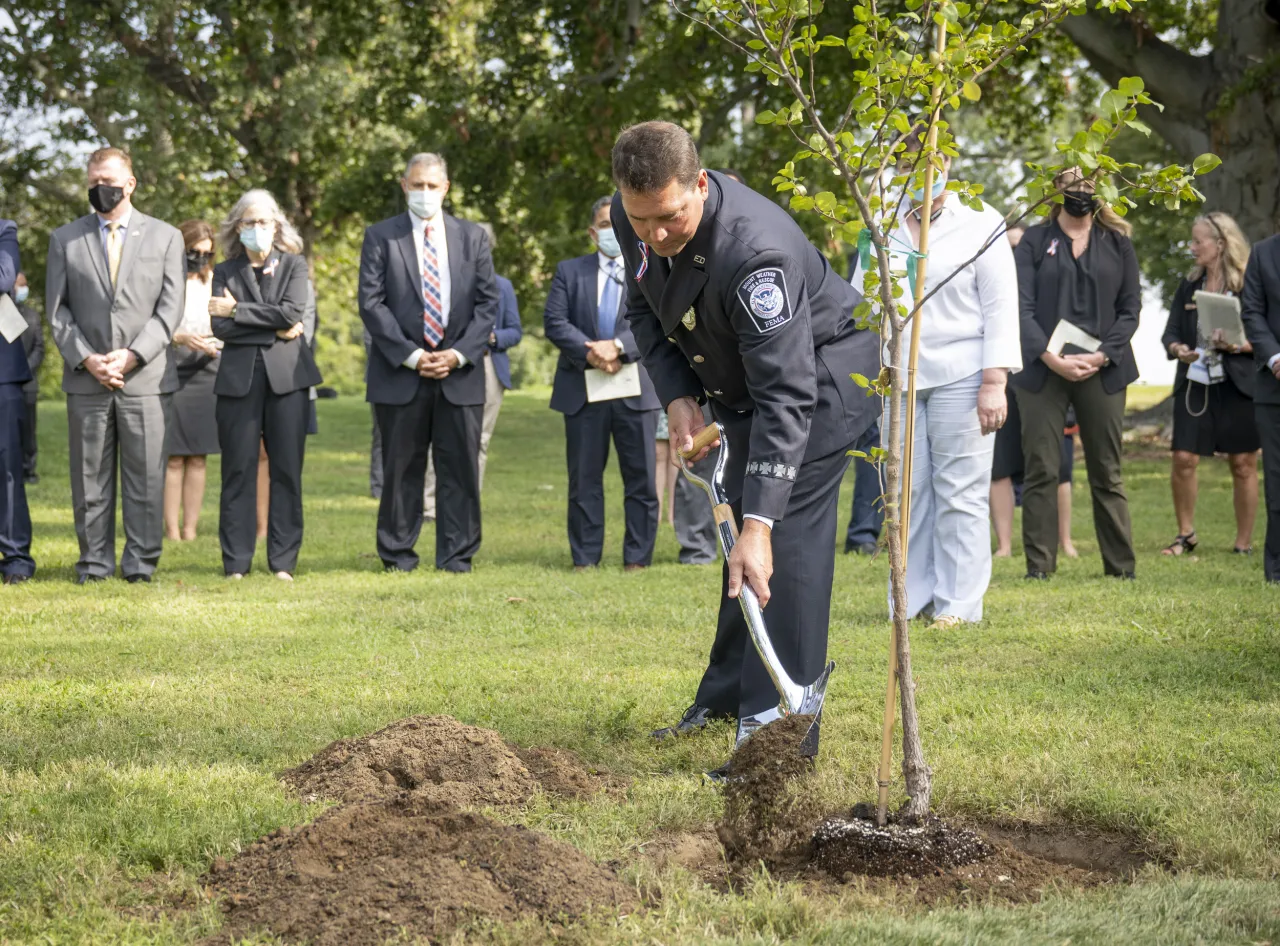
(916, 773)
(1227, 102)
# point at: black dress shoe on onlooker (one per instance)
(87, 578)
(861, 548)
(1035, 575)
(695, 717)
(134, 579)
(31, 480)
(1124, 576)
(16, 579)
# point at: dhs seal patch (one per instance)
(764, 295)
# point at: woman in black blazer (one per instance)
(1078, 268)
(1212, 402)
(259, 301)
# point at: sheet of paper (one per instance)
(12, 324)
(602, 386)
(1065, 333)
(1216, 311)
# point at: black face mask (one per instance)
(104, 198)
(198, 262)
(1078, 203)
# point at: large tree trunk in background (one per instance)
(1227, 102)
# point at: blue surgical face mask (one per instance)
(917, 193)
(256, 239)
(607, 241)
(20, 294)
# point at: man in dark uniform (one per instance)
(730, 302)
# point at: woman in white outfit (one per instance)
(969, 344)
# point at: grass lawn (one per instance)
(141, 726)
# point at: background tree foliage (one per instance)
(321, 102)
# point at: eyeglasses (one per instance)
(251, 224)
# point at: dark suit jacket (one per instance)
(1260, 312)
(1119, 301)
(570, 320)
(508, 331)
(33, 345)
(1181, 327)
(391, 306)
(280, 302)
(13, 358)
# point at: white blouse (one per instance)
(195, 311)
(972, 323)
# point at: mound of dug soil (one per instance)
(364, 872)
(441, 761)
(768, 816)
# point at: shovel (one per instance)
(795, 699)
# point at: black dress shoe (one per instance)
(695, 717)
(1034, 575)
(1124, 576)
(31, 480)
(134, 579)
(87, 578)
(16, 579)
(861, 548)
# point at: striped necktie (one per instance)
(433, 311)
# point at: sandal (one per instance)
(1182, 545)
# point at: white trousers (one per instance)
(493, 391)
(949, 554)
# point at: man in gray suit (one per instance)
(114, 296)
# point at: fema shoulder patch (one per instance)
(764, 295)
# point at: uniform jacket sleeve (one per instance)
(1253, 312)
(156, 336)
(508, 332)
(385, 332)
(781, 377)
(560, 330)
(1115, 344)
(75, 348)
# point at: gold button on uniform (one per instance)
(698, 359)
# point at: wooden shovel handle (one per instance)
(724, 513)
(705, 438)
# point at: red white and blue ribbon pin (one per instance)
(644, 260)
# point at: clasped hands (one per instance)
(438, 364)
(1188, 355)
(109, 369)
(752, 557)
(604, 355)
(1075, 367)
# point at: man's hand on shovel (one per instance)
(752, 557)
(684, 423)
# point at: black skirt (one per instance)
(1226, 426)
(193, 429)
(1008, 462)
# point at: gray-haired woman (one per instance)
(259, 301)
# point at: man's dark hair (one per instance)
(648, 156)
(595, 209)
(730, 172)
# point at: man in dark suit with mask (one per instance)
(16, 564)
(730, 303)
(1260, 312)
(583, 318)
(430, 301)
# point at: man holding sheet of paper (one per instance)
(1260, 311)
(16, 564)
(1079, 298)
(603, 393)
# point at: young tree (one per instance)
(908, 64)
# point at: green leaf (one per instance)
(971, 91)
(1131, 86)
(826, 201)
(765, 118)
(1139, 126)
(1205, 163)
(860, 380)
